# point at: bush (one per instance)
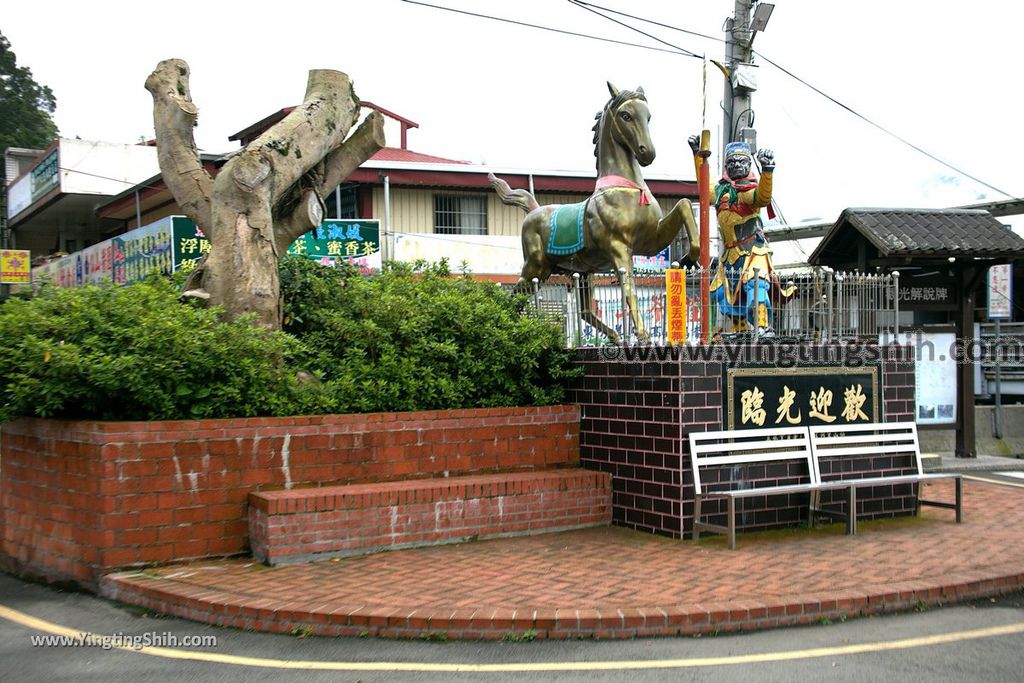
(416, 338)
(135, 352)
(401, 340)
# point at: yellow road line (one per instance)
(1000, 482)
(34, 623)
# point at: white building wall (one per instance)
(92, 167)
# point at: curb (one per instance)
(489, 623)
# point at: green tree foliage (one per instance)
(416, 338)
(411, 338)
(135, 352)
(25, 106)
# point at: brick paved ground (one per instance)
(613, 582)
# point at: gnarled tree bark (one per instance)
(265, 196)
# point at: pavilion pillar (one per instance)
(965, 434)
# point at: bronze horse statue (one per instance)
(621, 218)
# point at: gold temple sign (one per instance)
(675, 303)
(768, 396)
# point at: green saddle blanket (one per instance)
(566, 229)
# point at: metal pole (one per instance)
(575, 294)
(390, 253)
(625, 306)
(138, 212)
(737, 51)
(536, 295)
(998, 431)
(704, 185)
(828, 319)
(756, 303)
(896, 305)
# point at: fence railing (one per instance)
(813, 304)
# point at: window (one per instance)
(342, 203)
(460, 214)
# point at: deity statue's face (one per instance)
(737, 166)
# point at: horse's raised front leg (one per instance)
(681, 218)
(622, 259)
(589, 315)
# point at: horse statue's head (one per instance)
(625, 120)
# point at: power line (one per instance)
(650, 21)
(880, 127)
(684, 53)
(589, 8)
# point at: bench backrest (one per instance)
(745, 446)
(865, 439)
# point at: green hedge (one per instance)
(135, 352)
(416, 338)
(400, 340)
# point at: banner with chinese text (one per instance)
(675, 284)
(757, 397)
(353, 240)
(15, 266)
(1000, 292)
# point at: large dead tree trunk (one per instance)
(268, 194)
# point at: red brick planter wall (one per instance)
(80, 498)
(309, 524)
(638, 406)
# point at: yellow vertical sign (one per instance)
(15, 266)
(675, 301)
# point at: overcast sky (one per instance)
(944, 75)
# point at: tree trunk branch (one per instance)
(174, 117)
(296, 144)
(302, 216)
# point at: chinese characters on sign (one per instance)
(934, 292)
(1000, 292)
(675, 283)
(46, 175)
(356, 241)
(768, 396)
(15, 267)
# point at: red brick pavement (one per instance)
(612, 582)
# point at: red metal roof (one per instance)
(396, 154)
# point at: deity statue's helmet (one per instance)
(738, 161)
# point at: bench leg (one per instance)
(851, 512)
(732, 524)
(815, 502)
(696, 519)
(959, 499)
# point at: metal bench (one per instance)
(746, 447)
(877, 440)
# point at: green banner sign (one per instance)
(357, 241)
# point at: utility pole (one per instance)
(740, 30)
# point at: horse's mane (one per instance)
(613, 103)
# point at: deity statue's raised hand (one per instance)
(766, 159)
(694, 141)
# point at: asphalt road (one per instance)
(981, 641)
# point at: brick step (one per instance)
(316, 523)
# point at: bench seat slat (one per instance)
(884, 481)
(762, 444)
(800, 432)
(837, 452)
(760, 491)
(864, 427)
(710, 460)
(906, 438)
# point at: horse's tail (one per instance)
(521, 198)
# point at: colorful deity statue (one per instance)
(745, 282)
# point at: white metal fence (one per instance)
(825, 306)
